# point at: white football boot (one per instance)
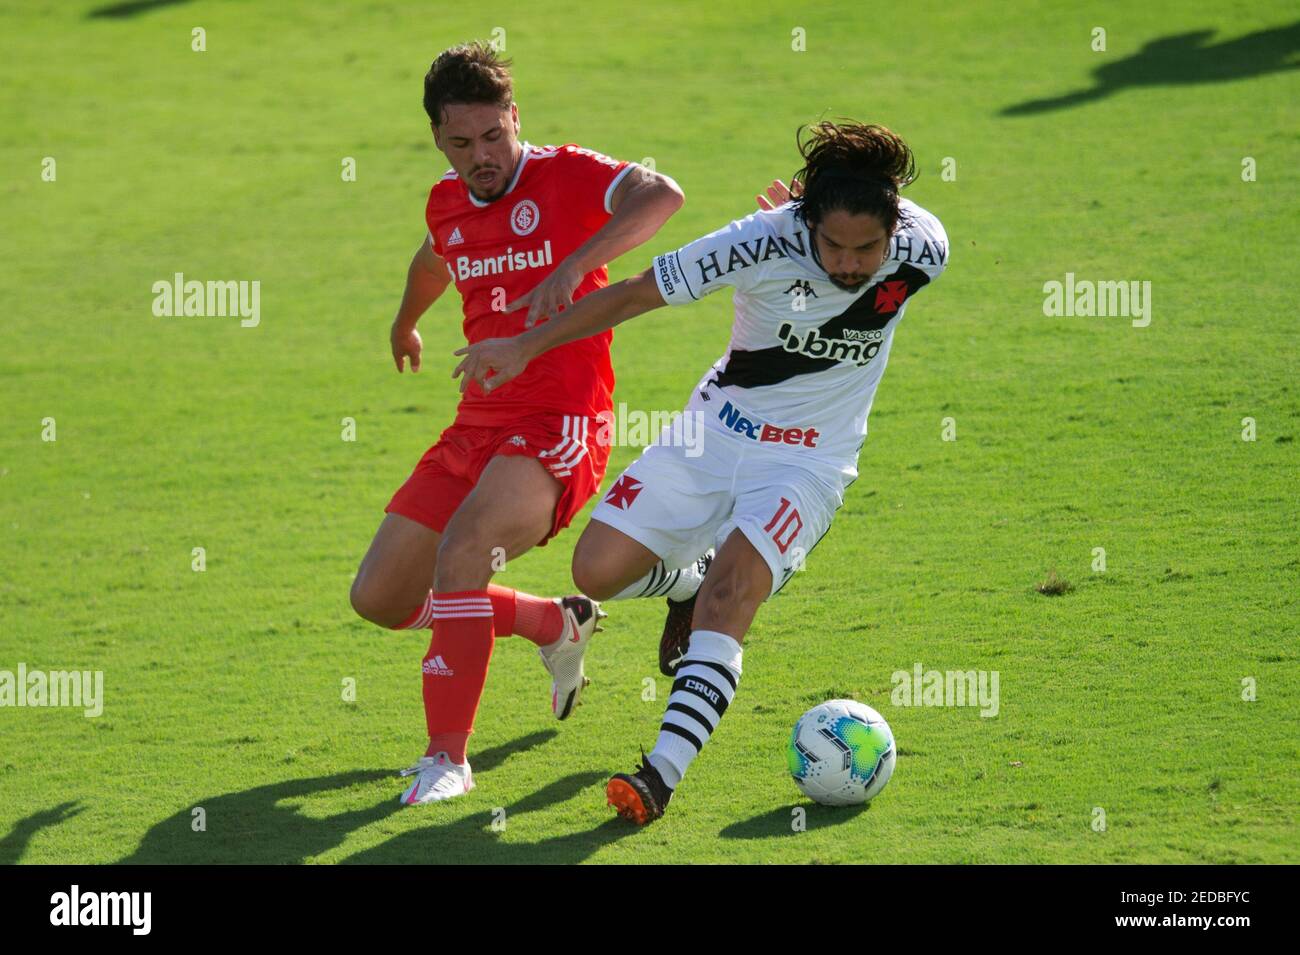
(563, 658)
(436, 778)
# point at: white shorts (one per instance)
(679, 506)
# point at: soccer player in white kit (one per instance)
(820, 283)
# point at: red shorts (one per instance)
(567, 445)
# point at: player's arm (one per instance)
(668, 281)
(426, 279)
(642, 202)
(506, 358)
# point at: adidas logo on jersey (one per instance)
(455, 238)
(436, 666)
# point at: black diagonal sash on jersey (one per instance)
(771, 366)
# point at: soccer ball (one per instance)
(841, 753)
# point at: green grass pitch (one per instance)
(224, 688)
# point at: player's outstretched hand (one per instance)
(778, 194)
(551, 295)
(502, 358)
(406, 344)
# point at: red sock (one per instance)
(503, 609)
(533, 618)
(455, 668)
(453, 744)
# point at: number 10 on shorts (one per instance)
(793, 523)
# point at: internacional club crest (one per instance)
(524, 217)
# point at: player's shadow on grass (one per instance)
(130, 8)
(494, 756)
(254, 827)
(780, 821)
(473, 839)
(15, 843)
(1181, 60)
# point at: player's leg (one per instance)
(650, 535)
(393, 585)
(528, 480)
(654, 522)
(610, 565)
(779, 515)
(393, 588)
(510, 509)
(491, 527)
(738, 581)
(394, 578)
(607, 563)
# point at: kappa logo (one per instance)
(524, 217)
(802, 287)
(455, 238)
(436, 666)
(518, 441)
(622, 494)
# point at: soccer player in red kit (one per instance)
(509, 221)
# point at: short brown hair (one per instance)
(469, 73)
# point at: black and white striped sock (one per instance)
(678, 584)
(704, 687)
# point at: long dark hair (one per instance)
(856, 167)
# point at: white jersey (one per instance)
(805, 357)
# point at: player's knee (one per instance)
(731, 591)
(464, 562)
(590, 576)
(368, 601)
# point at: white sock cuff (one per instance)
(716, 647)
(644, 586)
(679, 583)
(686, 583)
(671, 756)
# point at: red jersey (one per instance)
(498, 251)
